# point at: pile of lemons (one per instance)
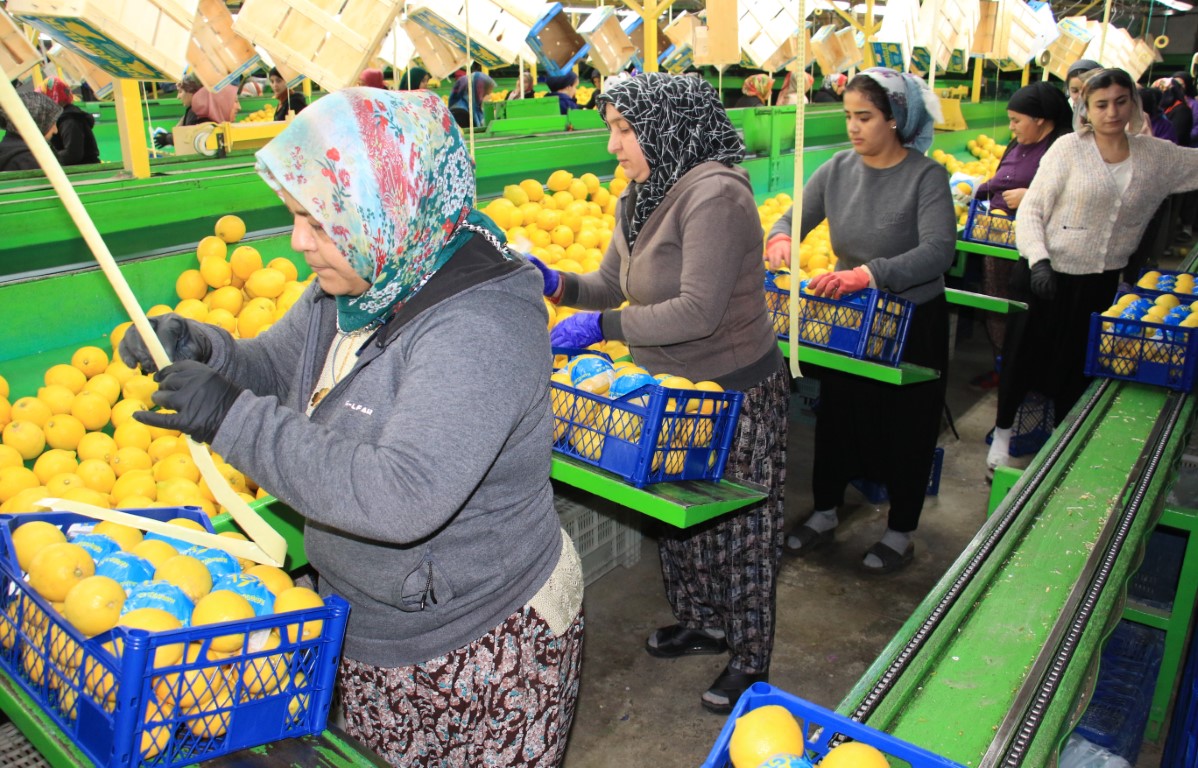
(76, 438)
(771, 736)
(988, 153)
(585, 423)
(815, 252)
(112, 576)
(264, 115)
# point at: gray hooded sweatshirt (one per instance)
(424, 474)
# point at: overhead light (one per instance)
(879, 10)
(1177, 5)
(824, 5)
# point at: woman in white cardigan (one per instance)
(1081, 219)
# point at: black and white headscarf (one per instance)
(679, 123)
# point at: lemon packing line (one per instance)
(265, 545)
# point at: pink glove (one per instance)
(777, 251)
(836, 284)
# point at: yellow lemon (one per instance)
(515, 194)
(222, 318)
(216, 271)
(192, 309)
(105, 385)
(126, 536)
(68, 376)
(854, 754)
(298, 599)
(266, 673)
(118, 333)
(30, 409)
(65, 431)
(284, 265)
(24, 501)
(195, 686)
(220, 606)
(10, 457)
(578, 189)
(90, 360)
(132, 434)
(30, 538)
(159, 309)
(177, 465)
(123, 411)
(230, 228)
(266, 282)
(4, 390)
(119, 371)
(140, 387)
(156, 620)
(26, 437)
(130, 458)
(94, 605)
(227, 298)
(97, 475)
(190, 284)
(211, 247)
(63, 484)
(88, 496)
(54, 462)
(91, 409)
(559, 180)
(762, 733)
(156, 551)
(58, 567)
(275, 579)
(533, 189)
(57, 397)
(186, 573)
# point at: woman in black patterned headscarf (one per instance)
(15, 154)
(687, 257)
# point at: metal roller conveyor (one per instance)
(994, 667)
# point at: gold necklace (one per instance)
(342, 361)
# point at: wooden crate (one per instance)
(439, 57)
(1069, 46)
(555, 42)
(681, 31)
(447, 21)
(218, 55)
(983, 36)
(677, 59)
(835, 50)
(636, 32)
(397, 49)
(1019, 36)
(79, 70)
(716, 42)
(330, 41)
(135, 39)
(1120, 51)
(768, 35)
(17, 55)
(611, 47)
(952, 30)
(1143, 56)
(897, 35)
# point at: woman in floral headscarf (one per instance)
(686, 256)
(373, 408)
(756, 91)
(892, 224)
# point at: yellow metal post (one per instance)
(135, 150)
(976, 96)
(649, 10)
(307, 90)
(870, 30)
(1027, 74)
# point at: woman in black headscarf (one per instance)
(1039, 114)
(687, 256)
(15, 154)
(1175, 107)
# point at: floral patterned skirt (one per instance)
(507, 699)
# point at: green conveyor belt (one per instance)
(970, 673)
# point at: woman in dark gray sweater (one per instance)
(890, 217)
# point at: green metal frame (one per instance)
(902, 374)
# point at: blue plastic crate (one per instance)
(556, 44)
(1033, 425)
(1118, 710)
(1152, 293)
(988, 228)
(1181, 744)
(876, 492)
(653, 434)
(1155, 583)
(1136, 350)
(820, 726)
(866, 325)
(110, 705)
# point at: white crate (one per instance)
(952, 30)
(610, 46)
(1119, 50)
(716, 42)
(1021, 34)
(329, 41)
(217, 54)
(17, 54)
(135, 39)
(439, 57)
(836, 50)
(605, 534)
(767, 32)
(397, 49)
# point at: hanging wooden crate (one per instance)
(80, 70)
(897, 36)
(496, 38)
(217, 54)
(17, 54)
(397, 49)
(1069, 46)
(1118, 51)
(636, 32)
(983, 36)
(677, 59)
(135, 39)
(439, 57)
(555, 42)
(610, 46)
(835, 50)
(330, 41)
(1018, 36)
(716, 41)
(767, 33)
(952, 30)
(681, 31)
(1143, 56)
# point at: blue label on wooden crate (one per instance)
(455, 37)
(677, 58)
(889, 55)
(236, 74)
(95, 46)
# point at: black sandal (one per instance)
(723, 694)
(891, 560)
(810, 540)
(674, 641)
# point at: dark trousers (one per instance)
(883, 432)
(1046, 346)
(723, 574)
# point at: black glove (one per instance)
(178, 338)
(199, 395)
(1044, 280)
(166, 139)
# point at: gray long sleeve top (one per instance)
(424, 474)
(899, 221)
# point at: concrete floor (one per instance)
(832, 620)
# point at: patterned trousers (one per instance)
(507, 699)
(723, 574)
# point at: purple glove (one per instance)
(578, 331)
(553, 280)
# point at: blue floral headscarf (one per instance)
(388, 177)
(915, 108)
